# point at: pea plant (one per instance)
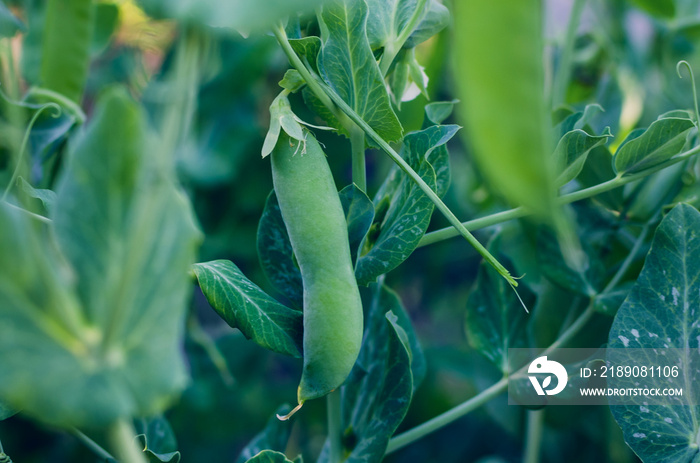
(285, 163)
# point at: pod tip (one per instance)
(289, 415)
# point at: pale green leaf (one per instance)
(157, 440)
(347, 64)
(390, 17)
(47, 197)
(437, 112)
(661, 312)
(663, 139)
(572, 151)
(269, 456)
(307, 49)
(245, 306)
(9, 24)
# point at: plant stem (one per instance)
(121, 439)
(202, 338)
(333, 404)
(486, 395)
(320, 88)
(629, 259)
(518, 212)
(38, 217)
(533, 442)
(92, 445)
(563, 73)
(359, 171)
(392, 48)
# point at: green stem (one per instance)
(533, 442)
(38, 217)
(121, 438)
(324, 93)
(333, 403)
(2, 450)
(23, 146)
(392, 48)
(486, 395)
(92, 445)
(563, 74)
(359, 171)
(519, 212)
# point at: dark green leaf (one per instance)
(47, 197)
(402, 214)
(659, 8)
(269, 456)
(608, 303)
(433, 141)
(106, 22)
(585, 280)
(308, 49)
(661, 141)
(273, 437)
(598, 169)
(6, 411)
(661, 312)
(347, 64)
(572, 151)
(114, 318)
(157, 440)
(65, 54)
(359, 212)
(276, 254)
(496, 319)
(9, 24)
(378, 392)
(245, 306)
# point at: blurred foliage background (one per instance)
(625, 60)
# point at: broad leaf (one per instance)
(347, 64)
(114, 319)
(307, 49)
(390, 18)
(433, 141)
(661, 312)
(402, 215)
(572, 151)
(437, 112)
(495, 317)
(242, 15)
(378, 392)
(598, 169)
(6, 411)
(157, 440)
(269, 456)
(47, 197)
(273, 437)
(245, 306)
(276, 254)
(663, 139)
(359, 212)
(105, 25)
(65, 54)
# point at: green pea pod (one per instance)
(314, 218)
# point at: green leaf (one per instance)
(65, 53)
(378, 392)
(243, 305)
(347, 64)
(273, 437)
(307, 49)
(659, 8)
(609, 303)
(359, 212)
(157, 439)
(292, 80)
(47, 197)
(110, 315)
(402, 214)
(495, 319)
(598, 169)
(243, 15)
(434, 142)
(585, 280)
(9, 24)
(269, 456)
(436, 19)
(106, 22)
(276, 254)
(572, 151)
(390, 17)
(663, 139)
(6, 411)
(661, 312)
(437, 112)
(505, 115)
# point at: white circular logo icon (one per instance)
(543, 366)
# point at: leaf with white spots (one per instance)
(245, 306)
(661, 312)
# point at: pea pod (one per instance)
(317, 229)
